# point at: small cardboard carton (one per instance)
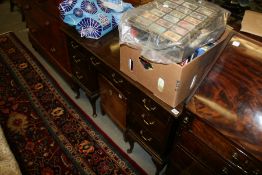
(171, 83)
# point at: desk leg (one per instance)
(93, 103)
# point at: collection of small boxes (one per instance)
(158, 40)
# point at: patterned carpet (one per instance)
(46, 131)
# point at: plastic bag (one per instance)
(169, 31)
(91, 18)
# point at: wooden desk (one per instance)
(149, 121)
(225, 134)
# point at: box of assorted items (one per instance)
(167, 46)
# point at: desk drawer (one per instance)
(156, 126)
(204, 154)
(146, 137)
(182, 162)
(228, 150)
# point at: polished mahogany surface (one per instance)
(230, 97)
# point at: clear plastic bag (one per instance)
(169, 31)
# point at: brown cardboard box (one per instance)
(171, 83)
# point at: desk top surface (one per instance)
(230, 97)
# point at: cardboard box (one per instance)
(171, 83)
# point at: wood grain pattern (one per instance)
(230, 97)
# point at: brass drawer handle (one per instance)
(146, 106)
(74, 45)
(94, 61)
(52, 49)
(147, 122)
(142, 135)
(224, 171)
(76, 60)
(235, 156)
(79, 76)
(115, 80)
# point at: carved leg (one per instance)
(93, 103)
(131, 143)
(159, 166)
(130, 140)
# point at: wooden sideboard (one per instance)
(222, 131)
(44, 22)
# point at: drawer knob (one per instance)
(152, 108)
(74, 45)
(94, 61)
(115, 80)
(76, 60)
(147, 122)
(142, 135)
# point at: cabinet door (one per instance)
(113, 102)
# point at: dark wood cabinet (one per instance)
(43, 21)
(222, 128)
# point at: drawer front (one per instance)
(206, 155)
(152, 107)
(118, 81)
(182, 162)
(84, 72)
(146, 137)
(113, 102)
(76, 49)
(156, 127)
(230, 152)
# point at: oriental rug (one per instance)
(47, 132)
